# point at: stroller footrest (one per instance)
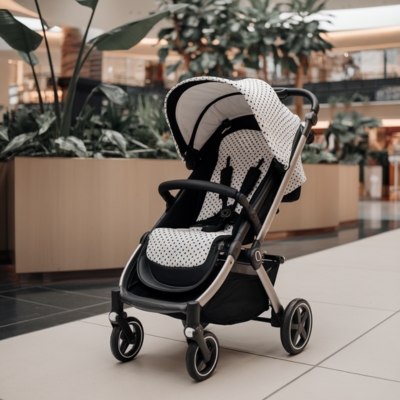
(153, 305)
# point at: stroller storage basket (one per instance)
(241, 298)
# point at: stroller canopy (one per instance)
(197, 107)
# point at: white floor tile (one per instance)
(375, 354)
(326, 384)
(352, 286)
(333, 328)
(380, 252)
(73, 361)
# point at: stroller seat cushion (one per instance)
(182, 248)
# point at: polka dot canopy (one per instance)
(278, 124)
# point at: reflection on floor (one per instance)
(353, 290)
(33, 306)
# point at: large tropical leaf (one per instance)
(17, 35)
(45, 121)
(172, 68)
(72, 144)
(116, 138)
(88, 3)
(4, 133)
(126, 36)
(18, 141)
(114, 94)
(34, 60)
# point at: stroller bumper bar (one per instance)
(193, 184)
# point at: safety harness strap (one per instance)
(227, 214)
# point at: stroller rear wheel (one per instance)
(296, 327)
(197, 368)
(121, 348)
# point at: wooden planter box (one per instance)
(83, 214)
(68, 214)
(329, 198)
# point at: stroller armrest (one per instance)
(193, 184)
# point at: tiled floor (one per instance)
(354, 352)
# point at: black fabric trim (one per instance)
(184, 211)
(171, 103)
(292, 196)
(240, 298)
(177, 279)
(196, 126)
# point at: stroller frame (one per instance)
(130, 329)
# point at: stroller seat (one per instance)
(184, 257)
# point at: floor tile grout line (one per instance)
(52, 315)
(47, 305)
(322, 265)
(81, 294)
(350, 305)
(32, 302)
(222, 347)
(18, 289)
(333, 354)
(356, 373)
(35, 319)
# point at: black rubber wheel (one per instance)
(197, 368)
(121, 349)
(296, 327)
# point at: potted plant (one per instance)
(68, 207)
(347, 138)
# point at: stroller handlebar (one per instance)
(283, 93)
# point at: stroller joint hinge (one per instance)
(312, 117)
(254, 255)
(277, 318)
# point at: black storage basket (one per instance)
(241, 297)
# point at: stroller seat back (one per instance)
(183, 257)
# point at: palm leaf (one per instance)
(88, 3)
(126, 36)
(25, 57)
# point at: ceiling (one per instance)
(112, 13)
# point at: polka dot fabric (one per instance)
(181, 247)
(278, 124)
(245, 148)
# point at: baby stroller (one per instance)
(244, 148)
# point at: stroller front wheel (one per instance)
(121, 348)
(296, 326)
(197, 368)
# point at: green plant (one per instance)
(125, 130)
(347, 137)
(207, 35)
(261, 35)
(334, 100)
(25, 40)
(315, 154)
(301, 35)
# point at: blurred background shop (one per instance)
(361, 72)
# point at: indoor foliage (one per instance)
(347, 138)
(123, 129)
(350, 138)
(50, 132)
(215, 36)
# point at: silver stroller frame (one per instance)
(193, 329)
